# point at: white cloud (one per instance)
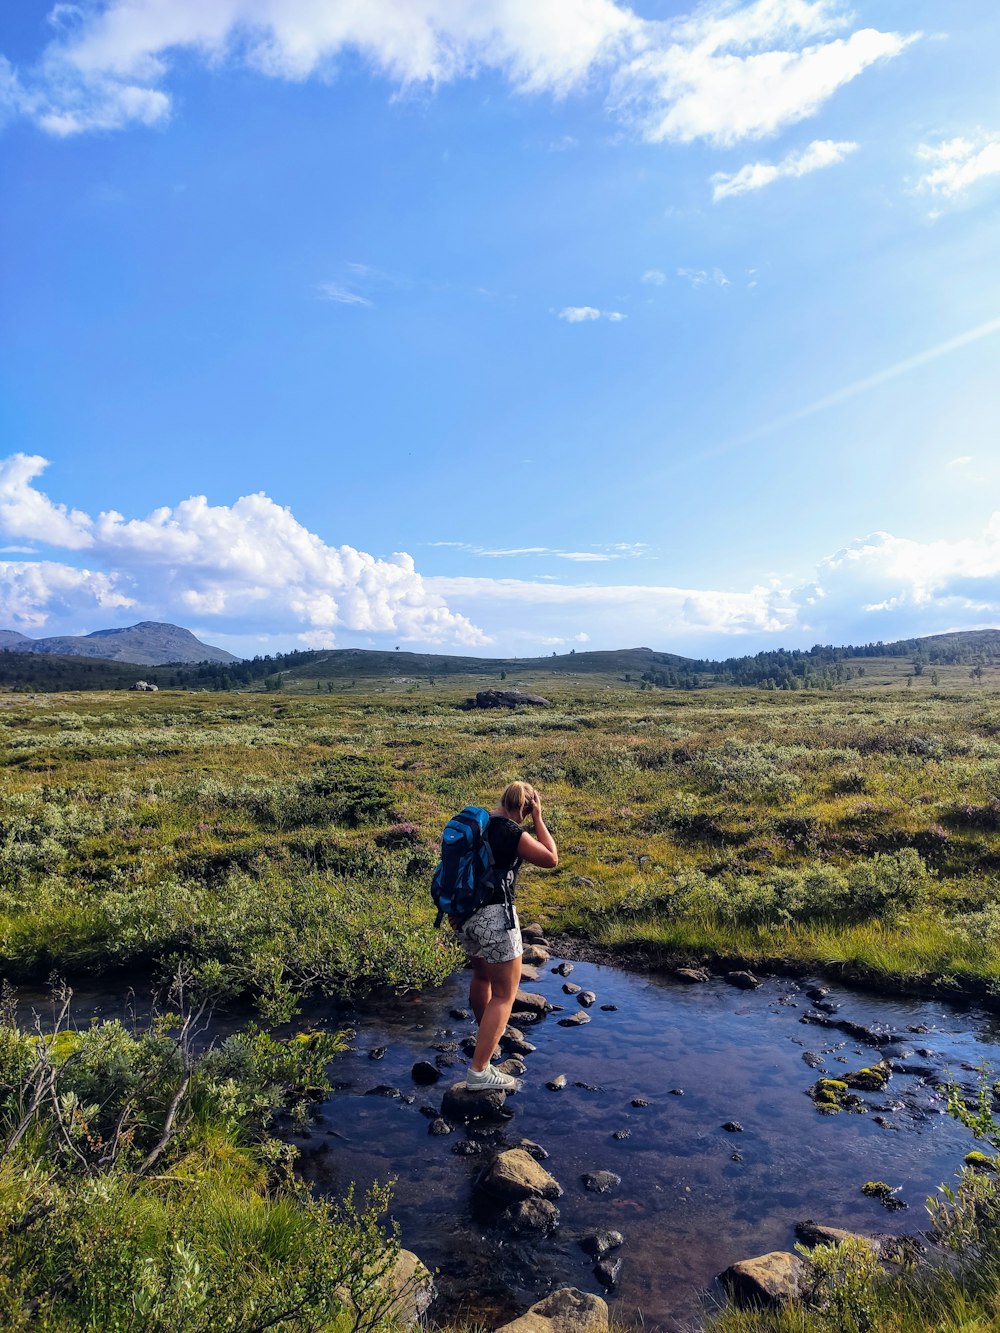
(897, 586)
(724, 72)
(701, 277)
(578, 314)
(955, 165)
(655, 277)
(878, 587)
(962, 461)
(251, 560)
(729, 72)
(582, 314)
(31, 593)
(333, 291)
(26, 512)
(756, 175)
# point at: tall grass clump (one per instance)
(140, 1186)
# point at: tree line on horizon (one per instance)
(822, 666)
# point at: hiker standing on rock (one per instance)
(491, 934)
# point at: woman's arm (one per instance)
(541, 849)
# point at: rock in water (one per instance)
(424, 1072)
(607, 1271)
(601, 1243)
(587, 998)
(564, 1311)
(458, 1103)
(691, 975)
(556, 1084)
(516, 1043)
(571, 988)
(439, 1127)
(744, 980)
(563, 969)
(574, 1020)
(514, 1066)
(535, 954)
(514, 1175)
(601, 1182)
(530, 1146)
(537, 1215)
(526, 1001)
(771, 1279)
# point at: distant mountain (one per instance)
(14, 642)
(150, 643)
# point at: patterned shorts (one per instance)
(486, 935)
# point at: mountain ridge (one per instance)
(148, 643)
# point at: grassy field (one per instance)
(276, 843)
(283, 841)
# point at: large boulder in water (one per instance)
(514, 1175)
(769, 1280)
(506, 699)
(564, 1311)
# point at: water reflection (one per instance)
(694, 1197)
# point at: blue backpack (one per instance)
(464, 877)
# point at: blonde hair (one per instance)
(518, 798)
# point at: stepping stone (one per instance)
(574, 1020)
(514, 1175)
(459, 1103)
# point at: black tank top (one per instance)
(503, 835)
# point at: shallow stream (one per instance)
(694, 1197)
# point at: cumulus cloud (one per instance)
(756, 175)
(32, 593)
(725, 72)
(880, 586)
(895, 586)
(654, 277)
(249, 561)
(954, 166)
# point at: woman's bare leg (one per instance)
(480, 989)
(503, 980)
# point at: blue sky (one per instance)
(515, 325)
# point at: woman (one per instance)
(492, 935)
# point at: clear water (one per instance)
(684, 1206)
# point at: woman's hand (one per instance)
(535, 808)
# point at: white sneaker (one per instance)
(489, 1080)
